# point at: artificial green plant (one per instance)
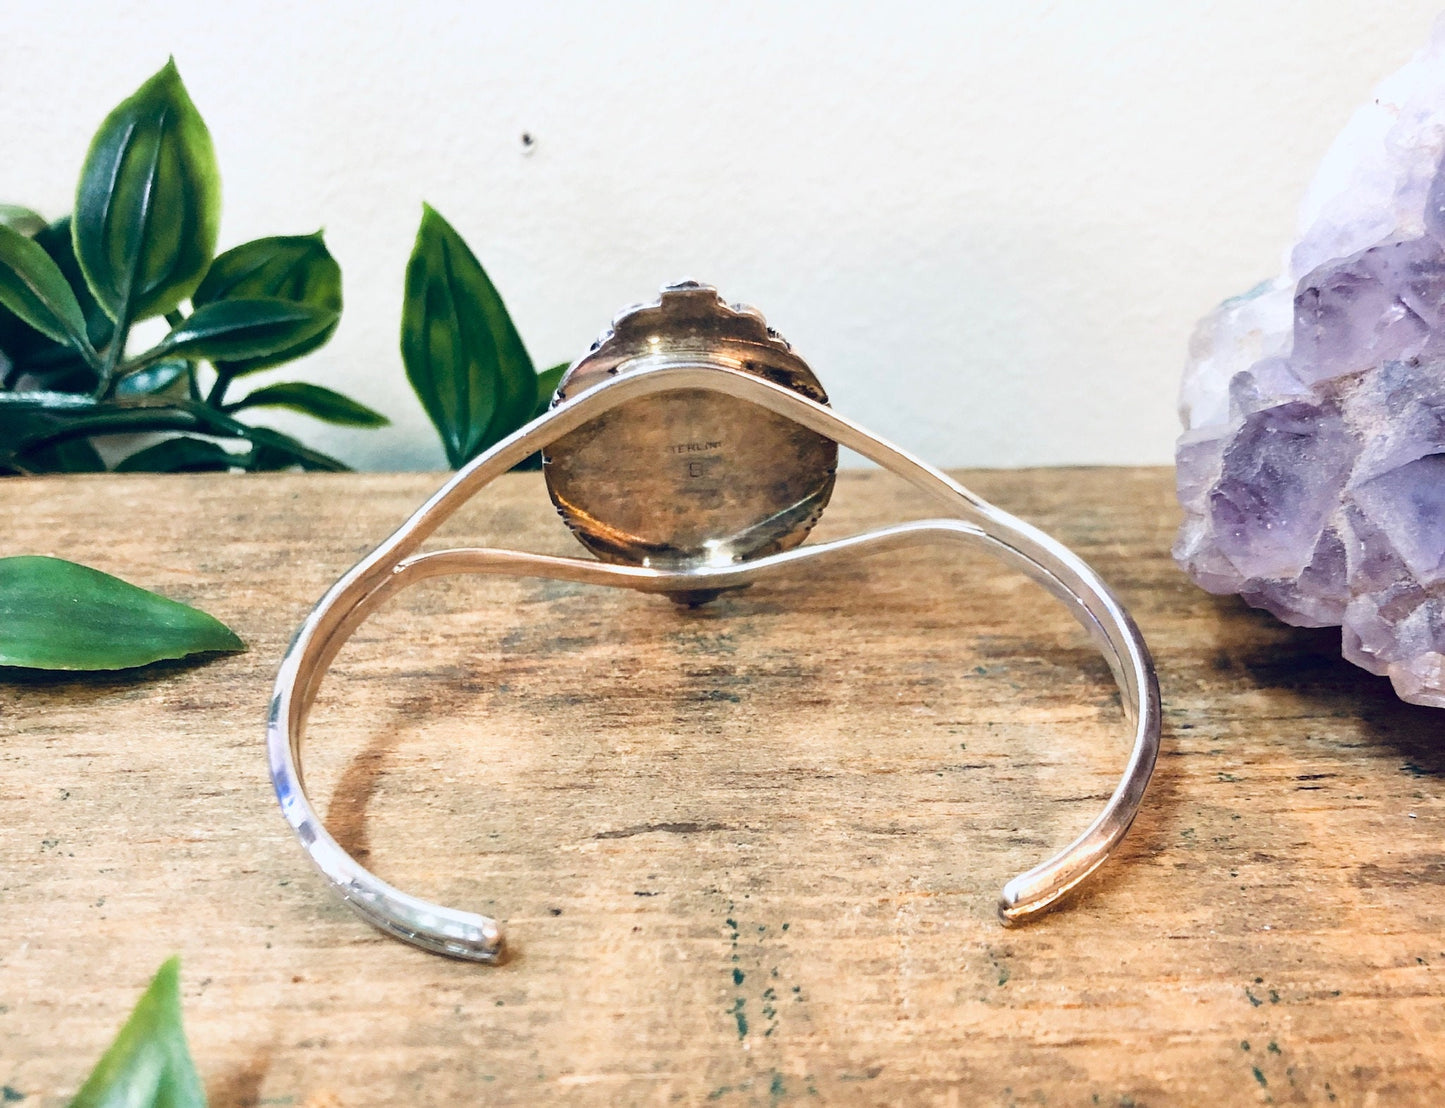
(149, 1064)
(140, 245)
(463, 355)
(58, 615)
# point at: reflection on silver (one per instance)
(689, 372)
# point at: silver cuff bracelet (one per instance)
(691, 450)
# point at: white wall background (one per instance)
(990, 227)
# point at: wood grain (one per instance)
(746, 854)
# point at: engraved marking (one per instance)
(693, 447)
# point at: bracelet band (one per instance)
(969, 519)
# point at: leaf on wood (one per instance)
(58, 615)
(149, 1064)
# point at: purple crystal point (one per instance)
(1377, 306)
(1312, 466)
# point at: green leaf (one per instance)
(53, 367)
(151, 380)
(59, 242)
(273, 450)
(149, 1064)
(32, 286)
(24, 418)
(56, 614)
(243, 329)
(39, 402)
(462, 353)
(285, 267)
(148, 203)
(31, 422)
(57, 365)
(312, 400)
(28, 416)
(70, 456)
(181, 454)
(20, 219)
(120, 417)
(106, 419)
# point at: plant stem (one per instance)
(218, 391)
(112, 359)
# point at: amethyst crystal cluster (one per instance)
(1312, 467)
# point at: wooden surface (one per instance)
(745, 855)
